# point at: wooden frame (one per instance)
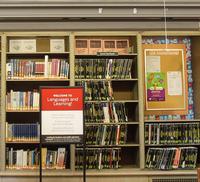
(171, 60)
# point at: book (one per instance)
(44, 157)
(61, 158)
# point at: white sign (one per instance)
(22, 45)
(152, 64)
(57, 45)
(174, 83)
(62, 122)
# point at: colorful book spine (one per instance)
(99, 158)
(171, 158)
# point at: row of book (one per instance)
(105, 112)
(54, 159)
(171, 158)
(22, 132)
(172, 133)
(22, 100)
(29, 159)
(103, 68)
(99, 158)
(106, 134)
(21, 69)
(22, 159)
(100, 91)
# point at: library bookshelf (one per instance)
(31, 60)
(118, 90)
(110, 62)
(182, 133)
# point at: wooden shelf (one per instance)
(35, 168)
(35, 53)
(22, 142)
(22, 111)
(37, 79)
(110, 146)
(119, 123)
(95, 79)
(169, 145)
(123, 101)
(127, 170)
(172, 121)
(108, 56)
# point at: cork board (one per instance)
(165, 79)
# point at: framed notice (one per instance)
(22, 45)
(57, 45)
(165, 79)
(61, 111)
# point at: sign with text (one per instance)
(61, 114)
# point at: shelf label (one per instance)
(61, 114)
(107, 53)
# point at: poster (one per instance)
(152, 64)
(155, 86)
(62, 114)
(174, 82)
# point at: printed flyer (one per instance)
(156, 86)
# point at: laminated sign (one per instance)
(61, 114)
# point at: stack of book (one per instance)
(172, 133)
(21, 158)
(26, 69)
(105, 113)
(103, 68)
(99, 158)
(28, 159)
(54, 159)
(97, 91)
(106, 135)
(22, 100)
(171, 158)
(22, 132)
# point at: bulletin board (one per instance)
(165, 79)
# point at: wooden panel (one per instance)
(198, 173)
(76, 179)
(195, 75)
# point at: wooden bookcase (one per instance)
(129, 91)
(125, 90)
(102, 53)
(31, 60)
(188, 121)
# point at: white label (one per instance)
(62, 122)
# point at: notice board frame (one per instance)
(172, 59)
